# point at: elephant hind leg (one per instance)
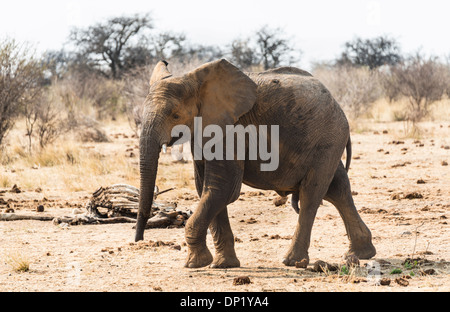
(312, 190)
(339, 194)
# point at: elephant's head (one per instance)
(218, 92)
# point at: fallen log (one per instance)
(16, 217)
(85, 219)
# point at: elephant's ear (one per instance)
(225, 93)
(160, 72)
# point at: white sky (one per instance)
(318, 27)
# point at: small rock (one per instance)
(40, 208)
(444, 163)
(413, 195)
(251, 221)
(385, 281)
(421, 181)
(428, 272)
(77, 211)
(280, 201)
(402, 282)
(302, 264)
(241, 280)
(16, 189)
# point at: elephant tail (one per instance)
(349, 154)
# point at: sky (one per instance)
(319, 28)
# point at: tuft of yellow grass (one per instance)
(18, 262)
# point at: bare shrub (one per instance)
(89, 130)
(51, 121)
(355, 88)
(135, 90)
(20, 82)
(421, 80)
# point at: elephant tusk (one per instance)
(164, 148)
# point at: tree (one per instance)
(206, 53)
(57, 64)
(422, 80)
(272, 48)
(241, 54)
(168, 45)
(21, 81)
(371, 52)
(105, 44)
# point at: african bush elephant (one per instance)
(313, 134)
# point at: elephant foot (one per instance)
(364, 252)
(223, 262)
(198, 258)
(292, 258)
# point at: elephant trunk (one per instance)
(149, 156)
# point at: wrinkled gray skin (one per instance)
(314, 133)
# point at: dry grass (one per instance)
(18, 262)
(67, 165)
(384, 111)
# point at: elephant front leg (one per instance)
(224, 242)
(196, 229)
(218, 184)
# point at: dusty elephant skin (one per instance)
(313, 135)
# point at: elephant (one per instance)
(313, 136)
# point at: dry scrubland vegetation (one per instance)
(69, 123)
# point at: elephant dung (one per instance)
(322, 266)
(241, 280)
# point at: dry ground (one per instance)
(386, 168)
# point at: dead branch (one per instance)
(122, 203)
(16, 217)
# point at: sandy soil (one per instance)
(385, 172)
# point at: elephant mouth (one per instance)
(173, 141)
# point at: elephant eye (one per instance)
(176, 116)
